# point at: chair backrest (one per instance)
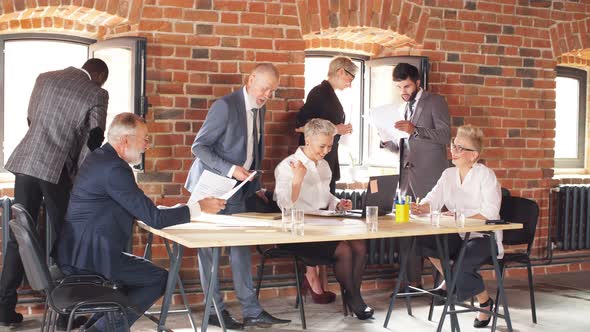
(520, 210)
(32, 256)
(23, 217)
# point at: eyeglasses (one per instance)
(459, 148)
(146, 139)
(349, 73)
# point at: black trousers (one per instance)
(477, 252)
(142, 281)
(30, 192)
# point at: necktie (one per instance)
(256, 162)
(409, 109)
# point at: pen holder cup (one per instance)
(402, 212)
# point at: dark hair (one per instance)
(403, 71)
(96, 66)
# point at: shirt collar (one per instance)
(87, 73)
(300, 155)
(247, 101)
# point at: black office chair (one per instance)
(526, 212)
(76, 295)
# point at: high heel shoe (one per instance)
(358, 307)
(322, 298)
(483, 323)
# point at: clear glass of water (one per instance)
(459, 218)
(297, 215)
(434, 215)
(372, 218)
(286, 220)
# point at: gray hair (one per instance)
(266, 67)
(123, 124)
(317, 127)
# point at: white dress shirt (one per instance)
(250, 123)
(479, 193)
(315, 188)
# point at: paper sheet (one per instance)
(326, 213)
(383, 119)
(213, 185)
(230, 193)
(335, 222)
(231, 221)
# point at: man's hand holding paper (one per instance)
(386, 119)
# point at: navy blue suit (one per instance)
(104, 203)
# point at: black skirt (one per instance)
(313, 253)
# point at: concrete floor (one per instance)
(563, 304)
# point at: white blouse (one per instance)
(315, 188)
(479, 193)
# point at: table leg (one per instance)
(175, 261)
(500, 279)
(209, 297)
(402, 271)
(182, 292)
(451, 286)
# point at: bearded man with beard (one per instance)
(103, 205)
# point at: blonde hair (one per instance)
(317, 127)
(342, 62)
(473, 134)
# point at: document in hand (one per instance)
(383, 119)
(213, 185)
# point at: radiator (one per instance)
(571, 214)
(380, 251)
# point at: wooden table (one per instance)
(183, 236)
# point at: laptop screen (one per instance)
(380, 192)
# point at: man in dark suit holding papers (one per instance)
(104, 203)
(231, 143)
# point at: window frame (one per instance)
(360, 75)
(581, 76)
(28, 36)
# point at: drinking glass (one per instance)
(286, 220)
(298, 222)
(372, 219)
(434, 215)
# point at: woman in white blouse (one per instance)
(303, 182)
(472, 189)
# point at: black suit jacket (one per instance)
(104, 203)
(323, 103)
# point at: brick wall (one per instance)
(492, 60)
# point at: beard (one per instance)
(133, 156)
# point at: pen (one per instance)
(417, 200)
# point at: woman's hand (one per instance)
(344, 129)
(420, 209)
(299, 171)
(344, 205)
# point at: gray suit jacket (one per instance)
(221, 143)
(64, 106)
(425, 155)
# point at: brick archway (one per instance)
(90, 18)
(570, 39)
(366, 26)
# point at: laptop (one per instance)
(380, 192)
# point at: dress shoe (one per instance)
(229, 322)
(62, 322)
(483, 323)
(358, 307)
(321, 298)
(441, 297)
(10, 317)
(264, 320)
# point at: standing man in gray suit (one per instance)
(231, 143)
(423, 155)
(66, 107)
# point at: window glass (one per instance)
(22, 64)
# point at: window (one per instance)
(372, 87)
(23, 57)
(570, 117)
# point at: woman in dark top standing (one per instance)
(323, 103)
